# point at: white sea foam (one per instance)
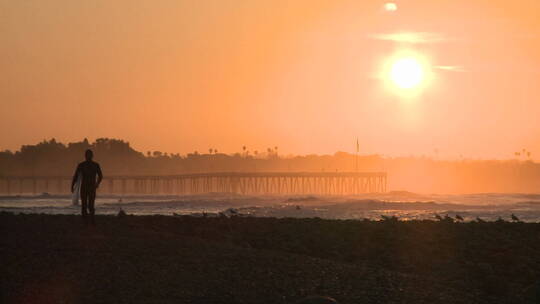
(404, 205)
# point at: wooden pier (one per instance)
(323, 183)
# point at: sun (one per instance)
(407, 73)
(390, 7)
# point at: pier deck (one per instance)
(325, 183)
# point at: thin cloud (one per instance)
(412, 37)
(451, 68)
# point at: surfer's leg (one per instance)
(84, 203)
(91, 202)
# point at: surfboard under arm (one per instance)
(76, 191)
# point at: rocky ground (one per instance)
(162, 259)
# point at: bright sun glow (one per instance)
(406, 73)
(390, 6)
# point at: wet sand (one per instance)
(165, 259)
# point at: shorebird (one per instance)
(459, 218)
(515, 218)
(121, 213)
(448, 219)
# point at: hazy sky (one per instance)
(179, 76)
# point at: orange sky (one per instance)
(179, 76)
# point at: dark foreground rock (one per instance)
(159, 259)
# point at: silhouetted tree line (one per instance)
(418, 174)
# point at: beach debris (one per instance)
(478, 219)
(438, 217)
(317, 300)
(229, 212)
(392, 218)
(500, 220)
(515, 218)
(298, 207)
(205, 214)
(459, 218)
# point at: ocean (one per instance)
(401, 204)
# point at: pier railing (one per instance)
(325, 183)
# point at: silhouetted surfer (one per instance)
(88, 170)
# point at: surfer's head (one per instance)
(88, 154)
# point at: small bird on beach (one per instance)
(459, 218)
(515, 218)
(448, 219)
(121, 213)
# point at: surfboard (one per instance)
(76, 191)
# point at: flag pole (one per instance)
(357, 148)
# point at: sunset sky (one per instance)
(308, 76)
